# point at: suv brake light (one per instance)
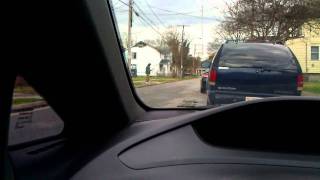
(212, 77)
(300, 82)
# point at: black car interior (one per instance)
(69, 52)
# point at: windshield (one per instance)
(211, 53)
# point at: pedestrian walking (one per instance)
(148, 70)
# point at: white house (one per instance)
(143, 54)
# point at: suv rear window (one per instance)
(256, 55)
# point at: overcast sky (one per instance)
(165, 13)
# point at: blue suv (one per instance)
(248, 71)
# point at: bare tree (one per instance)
(191, 63)
(214, 46)
(274, 20)
(160, 45)
(172, 39)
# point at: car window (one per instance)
(31, 118)
(169, 48)
(256, 55)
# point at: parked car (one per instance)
(249, 71)
(203, 82)
(204, 77)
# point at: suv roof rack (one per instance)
(263, 41)
(234, 41)
(254, 41)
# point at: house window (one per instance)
(134, 55)
(314, 52)
(133, 66)
(161, 67)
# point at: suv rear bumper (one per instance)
(220, 97)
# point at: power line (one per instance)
(184, 14)
(119, 7)
(161, 22)
(166, 14)
(141, 19)
(166, 10)
(116, 3)
(115, 7)
(148, 22)
(194, 16)
(174, 13)
(123, 2)
(142, 13)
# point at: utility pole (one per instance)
(181, 51)
(194, 56)
(202, 30)
(129, 35)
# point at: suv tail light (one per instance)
(300, 82)
(212, 77)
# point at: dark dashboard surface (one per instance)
(184, 147)
(189, 146)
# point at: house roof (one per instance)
(164, 61)
(143, 44)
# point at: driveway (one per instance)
(184, 93)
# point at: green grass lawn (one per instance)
(24, 90)
(140, 80)
(312, 87)
(25, 101)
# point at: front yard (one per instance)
(25, 101)
(312, 88)
(24, 90)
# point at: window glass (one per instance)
(31, 117)
(210, 53)
(253, 55)
(315, 53)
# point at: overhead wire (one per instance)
(152, 11)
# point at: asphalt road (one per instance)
(184, 93)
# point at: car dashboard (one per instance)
(262, 139)
(259, 140)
